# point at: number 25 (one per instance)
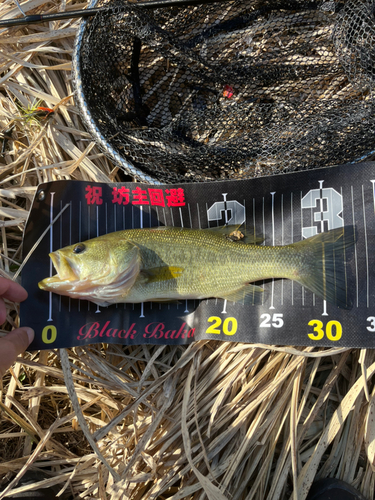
(276, 320)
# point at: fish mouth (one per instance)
(65, 272)
(64, 267)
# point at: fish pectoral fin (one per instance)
(246, 295)
(161, 273)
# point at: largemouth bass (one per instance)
(167, 263)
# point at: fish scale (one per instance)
(212, 263)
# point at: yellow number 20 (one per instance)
(229, 325)
(333, 330)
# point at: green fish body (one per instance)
(166, 264)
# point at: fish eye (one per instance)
(79, 248)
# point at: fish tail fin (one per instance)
(324, 269)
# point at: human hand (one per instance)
(19, 339)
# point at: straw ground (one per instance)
(212, 420)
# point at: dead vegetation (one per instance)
(212, 420)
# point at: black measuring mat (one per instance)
(283, 209)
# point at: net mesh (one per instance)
(232, 90)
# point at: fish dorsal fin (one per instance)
(161, 273)
(238, 234)
(233, 232)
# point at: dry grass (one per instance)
(212, 420)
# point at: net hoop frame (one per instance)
(88, 119)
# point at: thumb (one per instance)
(12, 345)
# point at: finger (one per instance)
(3, 312)
(12, 345)
(12, 291)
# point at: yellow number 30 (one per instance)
(333, 330)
